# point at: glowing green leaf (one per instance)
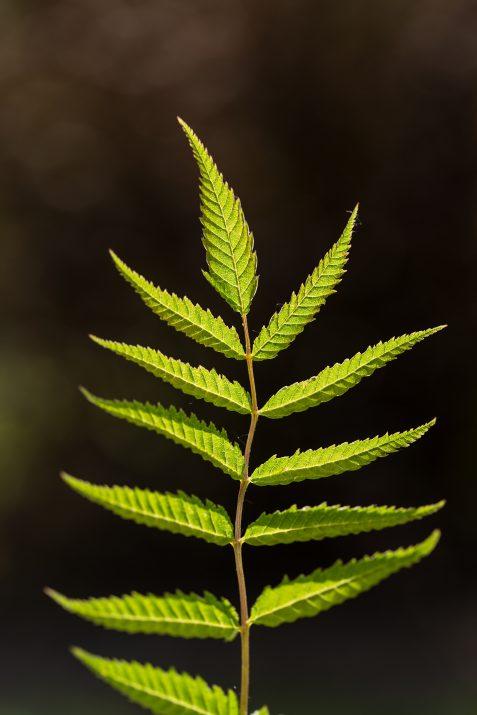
(301, 309)
(174, 614)
(339, 378)
(184, 315)
(204, 384)
(165, 692)
(204, 439)
(323, 521)
(178, 513)
(307, 596)
(336, 459)
(227, 240)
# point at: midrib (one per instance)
(321, 525)
(156, 517)
(159, 619)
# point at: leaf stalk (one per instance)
(238, 540)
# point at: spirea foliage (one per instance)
(232, 270)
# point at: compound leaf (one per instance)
(227, 240)
(199, 382)
(336, 459)
(178, 513)
(165, 692)
(308, 596)
(201, 438)
(184, 315)
(301, 309)
(323, 521)
(174, 614)
(339, 378)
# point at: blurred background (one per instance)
(307, 107)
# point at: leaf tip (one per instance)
(77, 485)
(102, 342)
(428, 545)
(115, 258)
(57, 597)
(187, 129)
(51, 593)
(87, 394)
(81, 654)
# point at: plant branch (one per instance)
(237, 544)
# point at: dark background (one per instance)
(307, 108)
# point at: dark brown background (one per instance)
(307, 107)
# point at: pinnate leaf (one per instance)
(165, 692)
(307, 596)
(336, 459)
(323, 521)
(227, 240)
(199, 382)
(301, 309)
(174, 614)
(337, 379)
(201, 438)
(184, 315)
(178, 513)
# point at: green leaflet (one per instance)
(336, 459)
(183, 315)
(227, 240)
(199, 382)
(301, 309)
(341, 377)
(165, 692)
(262, 711)
(204, 439)
(178, 513)
(323, 521)
(174, 614)
(308, 596)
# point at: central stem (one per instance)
(237, 543)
